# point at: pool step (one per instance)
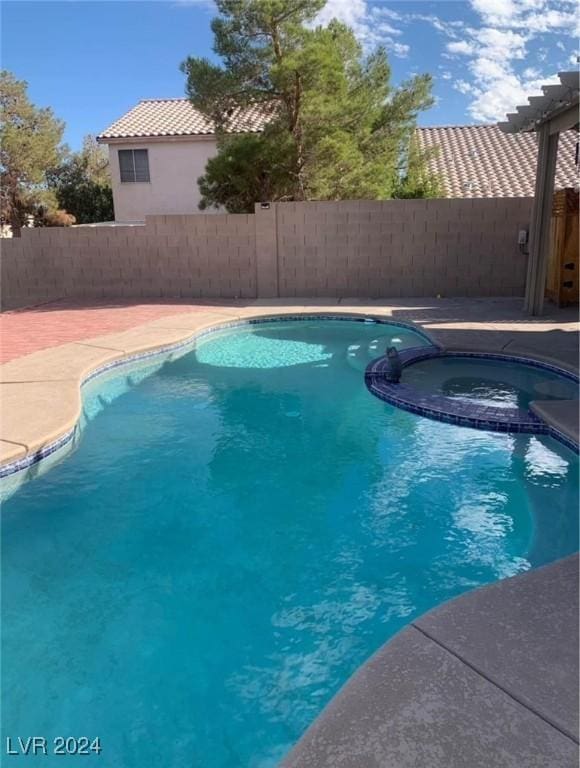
(360, 353)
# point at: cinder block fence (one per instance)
(394, 248)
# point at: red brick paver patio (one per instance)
(486, 324)
(28, 330)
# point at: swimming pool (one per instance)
(237, 531)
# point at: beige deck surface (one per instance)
(40, 392)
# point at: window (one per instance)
(134, 164)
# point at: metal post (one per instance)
(541, 216)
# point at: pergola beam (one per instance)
(565, 121)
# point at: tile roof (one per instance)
(482, 161)
(177, 117)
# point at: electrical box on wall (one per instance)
(523, 237)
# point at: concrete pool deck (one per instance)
(488, 680)
(484, 681)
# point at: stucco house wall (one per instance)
(175, 164)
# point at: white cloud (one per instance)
(506, 36)
(383, 28)
(496, 12)
(449, 27)
(371, 25)
(551, 20)
(399, 49)
(502, 43)
(491, 44)
(462, 47)
(488, 69)
(354, 13)
(534, 15)
(462, 86)
(389, 13)
(491, 104)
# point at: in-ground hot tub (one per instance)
(493, 382)
(482, 390)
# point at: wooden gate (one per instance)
(562, 280)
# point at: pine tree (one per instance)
(82, 183)
(30, 139)
(337, 128)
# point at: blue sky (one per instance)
(92, 61)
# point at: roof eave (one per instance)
(103, 139)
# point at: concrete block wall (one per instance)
(393, 248)
(170, 256)
(451, 247)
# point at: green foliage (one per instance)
(246, 169)
(417, 180)
(82, 184)
(337, 128)
(30, 140)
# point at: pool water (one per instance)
(237, 532)
(489, 382)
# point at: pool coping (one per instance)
(536, 420)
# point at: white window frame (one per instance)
(133, 170)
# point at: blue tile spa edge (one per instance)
(459, 412)
(67, 439)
